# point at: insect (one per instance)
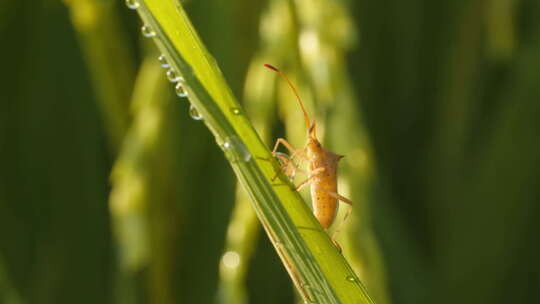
(321, 169)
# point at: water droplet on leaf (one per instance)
(193, 113)
(236, 111)
(180, 90)
(235, 149)
(173, 76)
(132, 4)
(147, 31)
(163, 61)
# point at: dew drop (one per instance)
(193, 113)
(235, 150)
(147, 31)
(132, 4)
(180, 90)
(351, 279)
(163, 61)
(173, 76)
(236, 111)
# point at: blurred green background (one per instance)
(111, 193)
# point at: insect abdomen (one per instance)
(324, 204)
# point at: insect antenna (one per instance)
(306, 117)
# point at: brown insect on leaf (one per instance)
(321, 169)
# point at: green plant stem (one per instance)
(111, 68)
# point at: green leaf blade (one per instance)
(319, 271)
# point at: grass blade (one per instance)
(318, 270)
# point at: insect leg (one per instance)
(339, 197)
(348, 212)
(295, 152)
(287, 165)
(338, 229)
(286, 161)
(309, 179)
(300, 153)
(285, 143)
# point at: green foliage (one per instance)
(111, 193)
(304, 247)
